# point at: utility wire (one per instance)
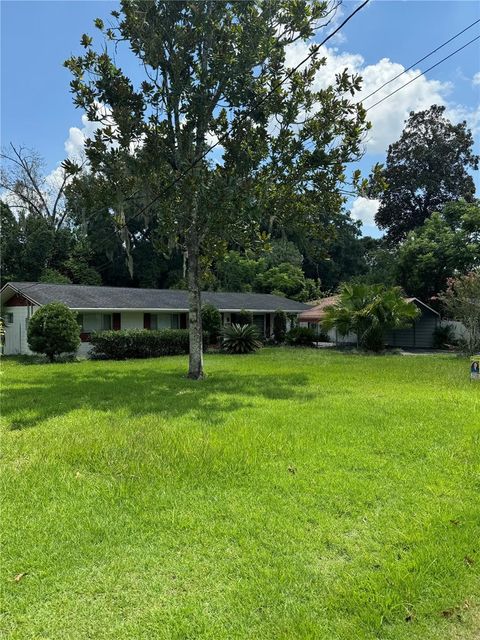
(314, 50)
(180, 177)
(421, 60)
(422, 73)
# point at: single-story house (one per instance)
(418, 335)
(101, 308)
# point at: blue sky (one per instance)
(37, 35)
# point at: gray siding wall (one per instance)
(419, 336)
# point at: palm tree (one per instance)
(369, 311)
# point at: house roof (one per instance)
(83, 297)
(317, 313)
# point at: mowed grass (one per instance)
(292, 494)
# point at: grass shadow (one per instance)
(142, 390)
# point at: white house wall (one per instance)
(16, 332)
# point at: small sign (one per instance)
(475, 367)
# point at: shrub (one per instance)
(369, 311)
(240, 338)
(211, 322)
(279, 326)
(141, 343)
(300, 337)
(443, 336)
(53, 330)
(245, 317)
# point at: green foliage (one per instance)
(211, 322)
(461, 301)
(10, 245)
(301, 337)
(428, 167)
(283, 252)
(244, 317)
(369, 311)
(289, 281)
(240, 339)
(53, 330)
(443, 336)
(279, 326)
(447, 244)
(236, 272)
(140, 343)
(55, 277)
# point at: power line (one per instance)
(314, 50)
(422, 73)
(421, 59)
(419, 75)
(219, 141)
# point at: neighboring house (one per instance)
(101, 308)
(418, 336)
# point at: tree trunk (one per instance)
(195, 364)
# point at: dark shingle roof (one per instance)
(79, 296)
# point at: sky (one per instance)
(378, 43)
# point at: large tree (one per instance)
(427, 167)
(448, 244)
(215, 69)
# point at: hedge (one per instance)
(300, 337)
(141, 343)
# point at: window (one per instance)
(175, 321)
(107, 322)
(153, 322)
(80, 320)
(9, 318)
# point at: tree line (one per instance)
(432, 225)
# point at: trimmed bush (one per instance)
(301, 337)
(53, 330)
(279, 326)
(444, 336)
(211, 322)
(241, 338)
(244, 317)
(141, 343)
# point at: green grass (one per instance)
(292, 494)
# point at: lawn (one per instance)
(292, 494)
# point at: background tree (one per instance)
(215, 69)
(53, 330)
(461, 302)
(369, 311)
(9, 244)
(30, 190)
(447, 244)
(426, 168)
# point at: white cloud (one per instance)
(387, 118)
(364, 210)
(75, 143)
(457, 113)
(476, 79)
